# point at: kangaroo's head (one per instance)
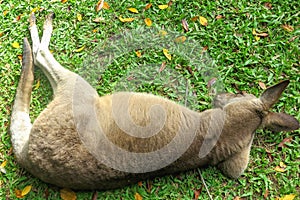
(239, 103)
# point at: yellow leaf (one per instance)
(126, 19)
(203, 21)
(279, 169)
(3, 164)
(67, 194)
(38, 83)
(5, 12)
(133, 10)
(138, 53)
(105, 5)
(1, 34)
(148, 21)
(137, 196)
(35, 9)
(64, 1)
(79, 16)
(15, 45)
(288, 197)
(95, 31)
(180, 39)
(80, 49)
(166, 53)
(162, 33)
(26, 190)
(281, 164)
(162, 7)
(257, 38)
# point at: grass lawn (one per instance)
(251, 44)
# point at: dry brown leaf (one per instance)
(99, 5)
(288, 197)
(126, 19)
(166, 53)
(266, 194)
(197, 193)
(133, 10)
(185, 25)
(203, 21)
(18, 193)
(288, 28)
(219, 17)
(237, 198)
(67, 194)
(140, 183)
(195, 18)
(262, 85)
(180, 39)
(137, 196)
(148, 21)
(148, 6)
(268, 5)
(162, 67)
(1, 34)
(162, 7)
(285, 140)
(170, 3)
(95, 195)
(15, 45)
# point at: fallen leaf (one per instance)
(219, 17)
(180, 39)
(185, 25)
(257, 38)
(195, 18)
(18, 18)
(126, 19)
(133, 10)
(35, 9)
(105, 5)
(211, 82)
(282, 165)
(79, 17)
(95, 30)
(162, 33)
(148, 21)
(288, 197)
(37, 85)
(67, 194)
(162, 67)
(203, 21)
(162, 7)
(197, 193)
(15, 45)
(204, 48)
(80, 49)
(5, 12)
(266, 194)
(64, 1)
(138, 53)
(2, 167)
(137, 196)
(279, 169)
(288, 28)
(18, 193)
(170, 3)
(148, 6)
(98, 19)
(268, 5)
(1, 34)
(236, 198)
(166, 53)
(140, 183)
(26, 190)
(262, 85)
(285, 140)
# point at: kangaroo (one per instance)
(85, 142)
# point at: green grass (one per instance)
(240, 59)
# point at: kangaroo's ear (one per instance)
(280, 122)
(271, 95)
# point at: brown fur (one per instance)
(53, 150)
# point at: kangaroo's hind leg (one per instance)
(20, 126)
(43, 57)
